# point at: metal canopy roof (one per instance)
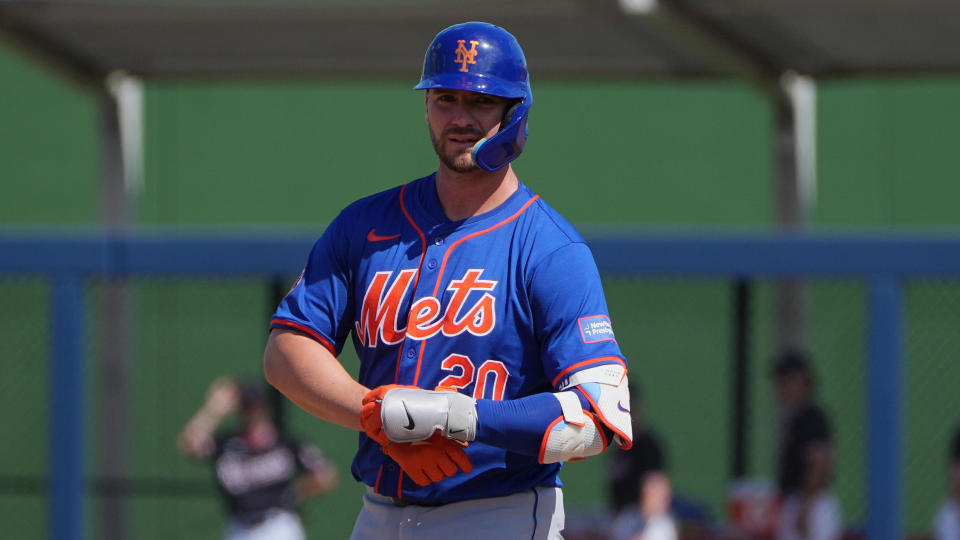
(280, 38)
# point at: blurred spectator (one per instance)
(640, 490)
(262, 473)
(946, 526)
(805, 461)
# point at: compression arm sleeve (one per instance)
(521, 425)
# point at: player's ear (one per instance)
(508, 114)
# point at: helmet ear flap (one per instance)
(495, 152)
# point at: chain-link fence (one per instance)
(178, 335)
(679, 338)
(678, 333)
(932, 402)
(23, 400)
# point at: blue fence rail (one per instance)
(884, 259)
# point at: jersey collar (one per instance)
(425, 205)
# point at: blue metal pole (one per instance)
(66, 413)
(885, 396)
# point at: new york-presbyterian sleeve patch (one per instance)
(596, 328)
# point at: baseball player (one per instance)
(487, 356)
(262, 473)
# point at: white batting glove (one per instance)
(410, 415)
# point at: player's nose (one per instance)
(462, 115)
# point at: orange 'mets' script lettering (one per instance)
(380, 313)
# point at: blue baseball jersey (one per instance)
(500, 306)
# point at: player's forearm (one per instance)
(203, 423)
(818, 467)
(315, 483)
(516, 425)
(574, 423)
(310, 376)
(552, 427)
(520, 425)
(196, 437)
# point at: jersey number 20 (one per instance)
(491, 369)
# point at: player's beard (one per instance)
(459, 162)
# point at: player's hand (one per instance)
(414, 414)
(370, 417)
(431, 460)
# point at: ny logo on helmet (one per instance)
(465, 56)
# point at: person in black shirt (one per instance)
(262, 473)
(804, 455)
(629, 467)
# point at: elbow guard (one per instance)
(578, 433)
(605, 387)
(573, 436)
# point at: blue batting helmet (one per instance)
(480, 57)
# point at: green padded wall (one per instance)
(611, 153)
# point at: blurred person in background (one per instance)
(262, 474)
(805, 455)
(946, 524)
(640, 493)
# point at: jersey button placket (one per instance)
(434, 253)
(424, 288)
(411, 348)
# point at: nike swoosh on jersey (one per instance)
(372, 236)
(410, 424)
